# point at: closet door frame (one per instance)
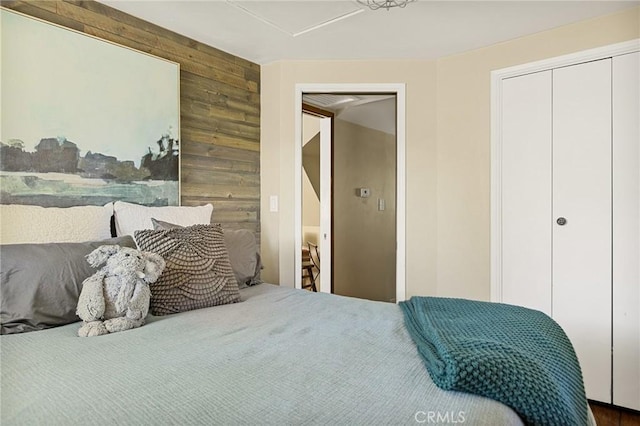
(626, 229)
(497, 78)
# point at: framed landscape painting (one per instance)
(85, 121)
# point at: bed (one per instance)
(278, 356)
(281, 356)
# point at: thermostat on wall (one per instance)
(363, 192)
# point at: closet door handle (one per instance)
(561, 221)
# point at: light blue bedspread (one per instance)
(281, 356)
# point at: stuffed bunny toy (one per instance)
(116, 297)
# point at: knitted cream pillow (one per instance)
(198, 273)
(21, 224)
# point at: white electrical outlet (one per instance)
(381, 204)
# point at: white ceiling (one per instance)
(265, 31)
(377, 115)
(376, 112)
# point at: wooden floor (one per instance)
(611, 416)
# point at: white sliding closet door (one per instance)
(626, 230)
(526, 191)
(582, 196)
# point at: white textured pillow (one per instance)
(133, 217)
(21, 224)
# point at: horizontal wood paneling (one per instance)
(219, 106)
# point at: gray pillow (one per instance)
(244, 256)
(243, 252)
(197, 274)
(41, 283)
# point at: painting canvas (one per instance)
(84, 121)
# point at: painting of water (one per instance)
(85, 121)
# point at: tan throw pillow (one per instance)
(198, 272)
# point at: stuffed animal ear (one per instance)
(101, 254)
(153, 266)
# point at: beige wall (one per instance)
(448, 150)
(277, 147)
(310, 127)
(464, 142)
(310, 200)
(364, 237)
(270, 173)
(310, 203)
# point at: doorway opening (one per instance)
(358, 228)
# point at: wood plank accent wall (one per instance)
(219, 106)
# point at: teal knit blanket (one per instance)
(514, 355)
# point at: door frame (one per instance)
(497, 78)
(399, 89)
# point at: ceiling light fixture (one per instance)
(384, 4)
